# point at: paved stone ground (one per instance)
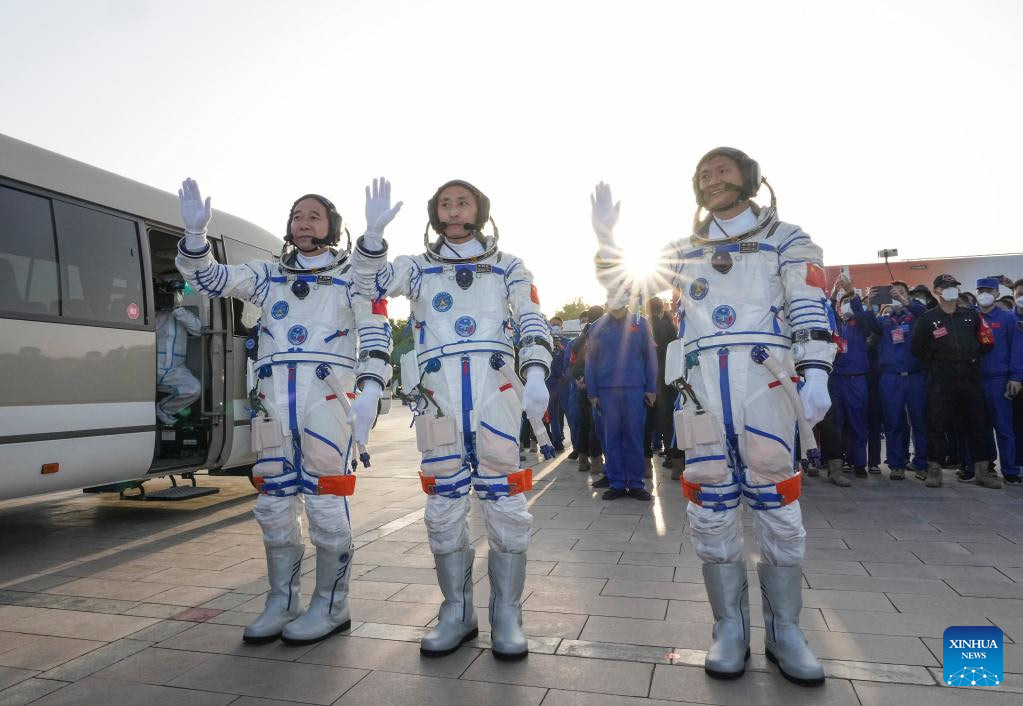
(113, 602)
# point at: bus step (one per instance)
(180, 492)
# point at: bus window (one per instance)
(100, 266)
(245, 314)
(28, 267)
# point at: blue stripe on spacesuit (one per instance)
(731, 440)
(296, 444)
(766, 435)
(701, 459)
(467, 436)
(212, 279)
(438, 459)
(325, 440)
(792, 241)
(509, 437)
(816, 306)
(774, 320)
(731, 247)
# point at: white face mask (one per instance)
(896, 305)
(846, 310)
(555, 330)
(920, 300)
(1019, 302)
(840, 293)
(985, 299)
(950, 294)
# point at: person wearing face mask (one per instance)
(950, 340)
(902, 384)
(1002, 371)
(845, 425)
(467, 298)
(1017, 401)
(301, 432)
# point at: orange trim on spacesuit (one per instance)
(336, 485)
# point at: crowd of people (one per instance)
(934, 371)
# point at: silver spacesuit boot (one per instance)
(782, 589)
(283, 604)
(507, 578)
(728, 591)
(456, 621)
(328, 610)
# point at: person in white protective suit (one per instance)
(174, 324)
(752, 302)
(307, 370)
(467, 297)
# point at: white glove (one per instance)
(364, 411)
(814, 395)
(378, 213)
(535, 396)
(604, 214)
(196, 214)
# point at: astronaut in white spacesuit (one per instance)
(467, 299)
(754, 315)
(307, 371)
(174, 324)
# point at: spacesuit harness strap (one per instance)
(501, 486)
(322, 280)
(712, 496)
(464, 347)
(738, 338)
(742, 248)
(771, 496)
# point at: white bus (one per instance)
(80, 249)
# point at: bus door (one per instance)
(196, 438)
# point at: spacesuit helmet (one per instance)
(335, 224)
(749, 167)
(482, 206)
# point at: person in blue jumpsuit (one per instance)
(555, 383)
(621, 381)
(1002, 371)
(1017, 401)
(903, 384)
(848, 381)
(874, 414)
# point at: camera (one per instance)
(887, 253)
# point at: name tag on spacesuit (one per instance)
(266, 434)
(694, 429)
(898, 335)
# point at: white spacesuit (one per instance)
(173, 327)
(312, 319)
(467, 300)
(752, 297)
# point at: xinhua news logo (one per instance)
(972, 655)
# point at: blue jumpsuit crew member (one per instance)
(621, 365)
(1003, 364)
(903, 386)
(848, 381)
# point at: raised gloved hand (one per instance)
(604, 214)
(535, 396)
(379, 213)
(814, 395)
(195, 212)
(364, 411)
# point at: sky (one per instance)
(890, 124)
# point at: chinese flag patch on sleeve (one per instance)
(815, 276)
(380, 306)
(534, 295)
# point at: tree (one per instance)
(572, 309)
